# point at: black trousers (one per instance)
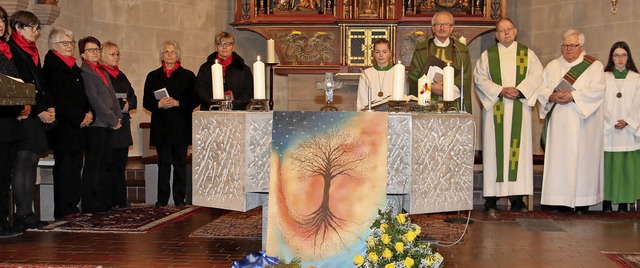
(24, 181)
(8, 151)
(172, 155)
(97, 193)
(118, 173)
(67, 182)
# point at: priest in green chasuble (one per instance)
(438, 51)
(571, 98)
(507, 78)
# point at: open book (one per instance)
(378, 103)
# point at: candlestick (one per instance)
(424, 94)
(258, 80)
(217, 81)
(447, 83)
(398, 82)
(271, 51)
(462, 40)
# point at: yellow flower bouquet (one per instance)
(394, 242)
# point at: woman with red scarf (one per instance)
(97, 185)
(66, 88)
(25, 28)
(170, 121)
(121, 139)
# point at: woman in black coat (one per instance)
(25, 28)
(66, 87)
(170, 121)
(121, 138)
(238, 80)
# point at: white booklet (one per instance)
(123, 95)
(161, 93)
(563, 84)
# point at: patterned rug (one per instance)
(505, 215)
(139, 218)
(24, 265)
(625, 260)
(249, 225)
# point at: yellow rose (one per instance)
(399, 247)
(419, 32)
(358, 260)
(383, 227)
(370, 242)
(438, 256)
(390, 265)
(387, 253)
(401, 218)
(430, 260)
(409, 236)
(417, 229)
(408, 262)
(373, 256)
(386, 239)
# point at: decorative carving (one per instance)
(368, 9)
(298, 47)
(48, 2)
(299, 6)
(496, 9)
(453, 6)
(409, 44)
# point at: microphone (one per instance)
(368, 83)
(456, 51)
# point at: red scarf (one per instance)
(97, 69)
(224, 62)
(113, 71)
(4, 48)
(69, 61)
(27, 46)
(168, 72)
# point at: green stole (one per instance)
(498, 112)
(571, 76)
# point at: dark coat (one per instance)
(66, 88)
(34, 129)
(238, 79)
(122, 137)
(10, 128)
(105, 106)
(173, 125)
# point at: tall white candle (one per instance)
(447, 83)
(217, 81)
(258, 80)
(271, 51)
(462, 40)
(424, 90)
(398, 82)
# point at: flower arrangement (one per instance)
(393, 243)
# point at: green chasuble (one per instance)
(522, 62)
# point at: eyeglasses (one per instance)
(225, 44)
(66, 43)
(93, 50)
(169, 53)
(620, 56)
(445, 25)
(34, 28)
(114, 54)
(504, 30)
(567, 46)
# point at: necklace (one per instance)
(620, 74)
(382, 69)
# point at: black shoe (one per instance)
(181, 204)
(160, 204)
(519, 206)
(582, 210)
(606, 206)
(623, 208)
(9, 232)
(29, 221)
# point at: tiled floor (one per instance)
(486, 244)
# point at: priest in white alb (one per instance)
(507, 78)
(571, 98)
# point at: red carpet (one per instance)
(23, 265)
(139, 218)
(625, 260)
(510, 216)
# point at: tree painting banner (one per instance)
(328, 179)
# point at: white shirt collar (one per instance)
(441, 44)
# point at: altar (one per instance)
(429, 160)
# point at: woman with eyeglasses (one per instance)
(66, 86)
(25, 30)
(121, 139)
(621, 129)
(238, 79)
(97, 194)
(169, 96)
(11, 133)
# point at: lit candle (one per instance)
(424, 87)
(217, 81)
(271, 51)
(447, 83)
(462, 40)
(258, 80)
(398, 82)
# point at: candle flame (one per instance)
(258, 57)
(216, 61)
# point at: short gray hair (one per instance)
(575, 32)
(433, 19)
(172, 43)
(57, 33)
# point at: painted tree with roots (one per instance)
(328, 155)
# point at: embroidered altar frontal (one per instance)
(429, 160)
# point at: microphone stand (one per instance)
(368, 83)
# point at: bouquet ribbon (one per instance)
(255, 260)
